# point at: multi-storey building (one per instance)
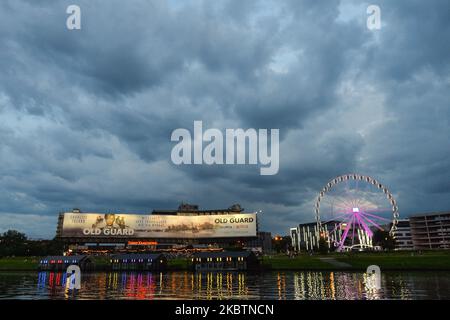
(402, 235)
(185, 227)
(306, 236)
(431, 231)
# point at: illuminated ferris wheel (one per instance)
(350, 208)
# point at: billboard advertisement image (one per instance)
(158, 226)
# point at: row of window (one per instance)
(133, 261)
(57, 261)
(217, 259)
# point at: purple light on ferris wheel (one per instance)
(357, 218)
(355, 209)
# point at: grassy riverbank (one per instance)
(431, 260)
(438, 260)
(19, 263)
(303, 262)
(101, 263)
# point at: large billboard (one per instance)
(158, 226)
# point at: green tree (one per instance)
(281, 244)
(323, 245)
(44, 247)
(13, 243)
(383, 239)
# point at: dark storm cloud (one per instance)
(87, 115)
(412, 67)
(417, 38)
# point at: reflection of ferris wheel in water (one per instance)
(351, 207)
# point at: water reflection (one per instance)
(226, 285)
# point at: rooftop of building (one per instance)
(193, 208)
(75, 258)
(430, 214)
(182, 208)
(313, 224)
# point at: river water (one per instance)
(289, 285)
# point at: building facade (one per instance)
(262, 243)
(61, 263)
(184, 228)
(402, 235)
(231, 260)
(420, 232)
(430, 231)
(306, 236)
(142, 262)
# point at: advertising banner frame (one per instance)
(137, 226)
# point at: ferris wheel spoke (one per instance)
(357, 185)
(333, 208)
(357, 202)
(372, 222)
(376, 217)
(344, 236)
(334, 229)
(365, 226)
(335, 218)
(334, 205)
(359, 224)
(355, 194)
(345, 203)
(341, 194)
(331, 200)
(346, 197)
(378, 210)
(344, 213)
(353, 231)
(348, 193)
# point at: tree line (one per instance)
(15, 243)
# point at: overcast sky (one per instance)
(86, 115)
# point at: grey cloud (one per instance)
(87, 116)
